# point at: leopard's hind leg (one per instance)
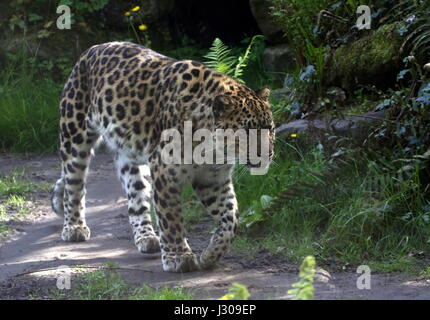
(77, 138)
(76, 154)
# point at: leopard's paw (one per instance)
(75, 233)
(148, 244)
(186, 262)
(208, 260)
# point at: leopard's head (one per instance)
(247, 112)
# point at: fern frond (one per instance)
(220, 59)
(243, 60)
(422, 40)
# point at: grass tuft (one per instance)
(107, 284)
(14, 190)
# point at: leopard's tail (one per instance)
(57, 196)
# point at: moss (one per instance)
(373, 59)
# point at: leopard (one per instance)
(126, 95)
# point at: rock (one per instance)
(278, 60)
(261, 11)
(280, 94)
(350, 126)
(156, 13)
(373, 59)
(203, 21)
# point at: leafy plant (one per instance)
(425, 273)
(255, 213)
(304, 289)
(82, 8)
(141, 36)
(408, 107)
(236, 292)
(221, 59)
(415, 26)
(298, 19)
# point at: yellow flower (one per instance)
(143, 27)
(293, 135)
(127, 14)
(136, 8)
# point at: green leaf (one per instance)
(266, 201)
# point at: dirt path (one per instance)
(38, 246)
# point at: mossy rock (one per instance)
(374, 59)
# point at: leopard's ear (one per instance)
(263, 93)
(222, 106)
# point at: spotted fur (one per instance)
(128, 94)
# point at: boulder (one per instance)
(279, 95)
(373, 59)
(261, 11)
(278, 60)
(353, 126)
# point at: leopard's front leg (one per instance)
(218, 196)
(176, 255)
(138, 190)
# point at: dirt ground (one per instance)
(36, 245)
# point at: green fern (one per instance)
(250, 53)
(222, 60)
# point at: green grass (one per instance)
(245, 248)
(14, 184)
(395, 264)
(163, 293)
(339, 220)
(28, 112)
(107, 284)
(14, 196)
(192, 209)
(4, 229)
(425, 274)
